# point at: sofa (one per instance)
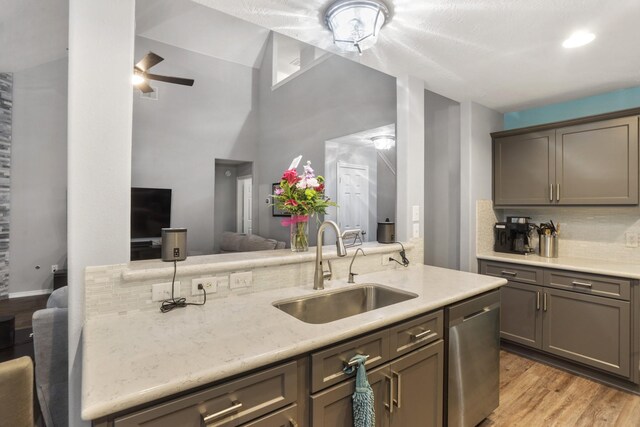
(50, 347)
(237, 242)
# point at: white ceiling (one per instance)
(32, 32)
(505, 54)
(191, 26)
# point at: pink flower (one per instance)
(291, 202)
(320, 188)
(279, 191)
(291, 176)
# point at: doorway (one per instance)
(353, 197)
(233, 204)
(244, 204)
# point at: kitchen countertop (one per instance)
(585, 265)
(140, 357)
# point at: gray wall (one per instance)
(177, 138)
(225, 201)
(335, 98)
(39, 176)
(441, 181)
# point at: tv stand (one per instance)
(145, 250)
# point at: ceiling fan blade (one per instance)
(144, 87)
(148, 61)
(176, 80)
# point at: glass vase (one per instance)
(299, 227)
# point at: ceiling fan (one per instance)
(141, 77)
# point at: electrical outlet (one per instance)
(385, 259)
(54, 268)
(416, 230)
(415, 215)
(631, 239)
(162, 291)
(210, 284)
(241, 280)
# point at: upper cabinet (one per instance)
(589, 161)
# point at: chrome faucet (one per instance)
(352, 275)
(320, 275)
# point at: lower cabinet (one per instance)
(408, 392)
(578, 325)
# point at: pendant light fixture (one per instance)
(355, 24)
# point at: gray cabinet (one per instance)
(524, 168)
(588, 329)
(407, 391)
(582, 317)
(405, 369)
(578, 162)
(520, 314)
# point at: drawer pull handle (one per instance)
(353, 363)
(416, 337)
(579, 283)
(509, 273)
(208, 418)
(389, 405)
(398, 401)
(293, 423)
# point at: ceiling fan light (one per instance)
(355, 24)
(137, 79)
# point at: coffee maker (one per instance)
(513, 236)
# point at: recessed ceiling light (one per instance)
(577, 39)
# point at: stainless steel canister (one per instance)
(386, 232)
(549, 245)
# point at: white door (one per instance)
(353, 197)
(244, 204)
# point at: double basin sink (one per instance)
(327, 307)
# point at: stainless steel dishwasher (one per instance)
(474, 360)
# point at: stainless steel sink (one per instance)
(327, 307)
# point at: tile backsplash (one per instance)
(585, 232)
(111, 289)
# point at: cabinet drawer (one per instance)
(287, 417)
(416, 333)
(252, 396)
(611, 287)
(513, 272)
(327, 365)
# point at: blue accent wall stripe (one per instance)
(597, 104)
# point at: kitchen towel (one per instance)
(363, 400)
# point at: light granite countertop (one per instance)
(140, 357)
(585, 265)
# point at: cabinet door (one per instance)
(588, 329)
(524, 169)
(333, 407)
(597, 163)
(520, 314)
(419, 382)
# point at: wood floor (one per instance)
(23, 308)
(533, 394)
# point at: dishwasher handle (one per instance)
(465, 317)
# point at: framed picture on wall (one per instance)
(275, 211)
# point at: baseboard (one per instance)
(29, 293)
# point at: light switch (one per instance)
(415, 214)
(416, 230)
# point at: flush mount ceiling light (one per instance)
(383, 142)
(577, 39)
(355, 24)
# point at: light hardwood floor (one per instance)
(533, 394)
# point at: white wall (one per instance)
(477, 122)
(101, 36)
(177, 138)
(410, 152)
(335, 98)
(38, 233)
(442, 181)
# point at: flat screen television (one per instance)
(150, 212)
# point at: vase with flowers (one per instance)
(302, 196)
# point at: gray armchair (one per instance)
(50, 338)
